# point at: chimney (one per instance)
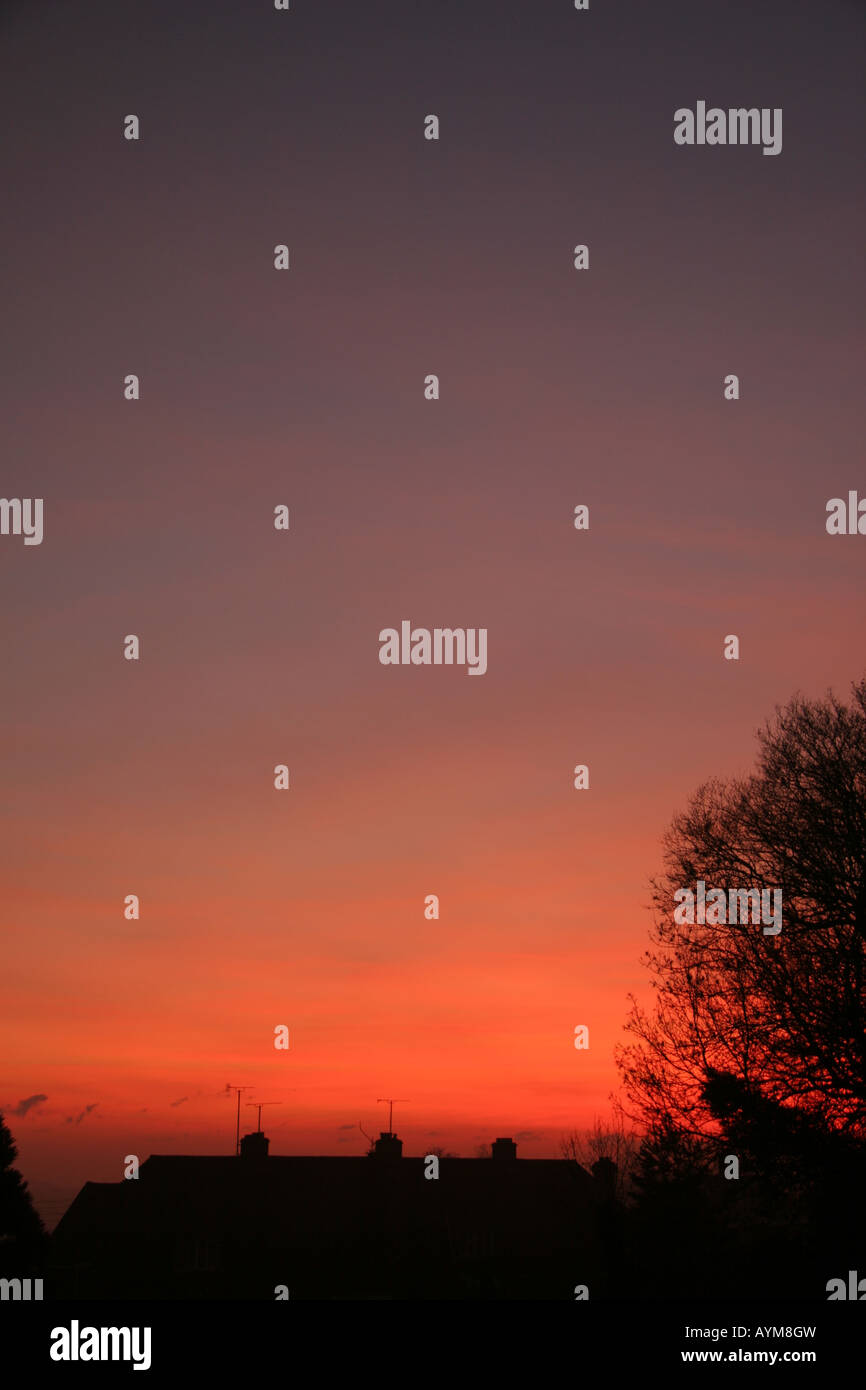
(505, 1150)
(255, 1145)
(388, 1147)
(604, 1170)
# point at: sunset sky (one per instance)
(259, 647)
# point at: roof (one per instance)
(292, 1197)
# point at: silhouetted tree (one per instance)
(797, 1176)
(22, 1234)
(607, 1141)
(766, 1133)
(678, 1225)
(670, 1161)
(782, 1015)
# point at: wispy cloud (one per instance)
(76, 1119)
(179, 1102)
(27, 1104)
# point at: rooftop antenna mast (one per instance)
(258, 1105)
(386, 1100)
(238, 1134)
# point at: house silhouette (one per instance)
(330, 1227)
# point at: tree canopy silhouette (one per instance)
(746, 1022)
(21, 1231)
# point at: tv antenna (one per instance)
(386, 1100)
(259, 1105)
(238, 1134)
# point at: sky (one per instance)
(305, 388)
